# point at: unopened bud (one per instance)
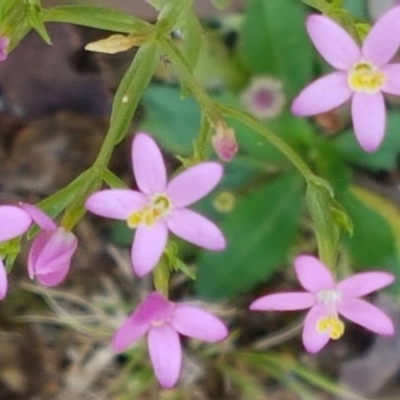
(115, 44)
(224, 142)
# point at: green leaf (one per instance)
(112, 180)
(96, 17)
(192, 37)
(275, 42)
(14, 21)
(260, 232)
(131, 88)
(329, 220)
(385, 158)
(372, 244)
(174, 121)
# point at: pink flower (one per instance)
(163, 320)
(264, 97)
(362, 75)
(4, 42)
(328, 300)
(13, 222)
(158, 206)
(51, 252)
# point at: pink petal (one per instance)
(322, 95)
(4, 41)
(3, 280)
(312, 274)
(155, 308)
(364, 283)
(115, 203)
(194, 183)
(196, 229)
(383, 40)
(53, 278)
(369, 119)
(53, 251)
(334, 44)
(39, 217)
(165, 354)
(148, 165)
(366, 315)
(129, 332)
(197, 323)
(284, 302)
(37, 246)
(313, 340)
(148, 246)
(13, 222)
(392, 84)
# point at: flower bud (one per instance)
(224, 142)
(50, 256)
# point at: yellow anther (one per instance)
(366, 78)
(135, 219)
(148, 215)
(332, 324)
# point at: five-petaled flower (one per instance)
(159, 207)
(51, 252)
(163, 321)
(264, 97)
(4, 42)
(363, 74)
(328, 300)
(13, 222)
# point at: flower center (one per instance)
(365, 78)
(329, 297)
(158, 207)
(331, 324)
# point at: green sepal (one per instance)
(161, 276)
(36, 22)
(329, 220)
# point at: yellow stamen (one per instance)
(332, 324)
(365, 78)
(148, 216)
(135, 219)
(159, 206)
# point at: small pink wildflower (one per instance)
(163, 321)
(51, 251)
(362, 75)
(13, 222)
(159, 207)
(4, 42)
(327, 300)
(264, 97)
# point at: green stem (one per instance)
(274, 139)
(213, 110)
(125, 103)
(183, 69)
